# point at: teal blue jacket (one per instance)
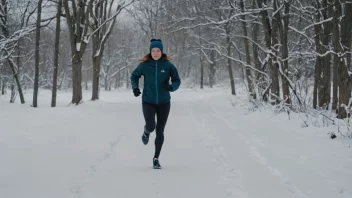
(157, 75)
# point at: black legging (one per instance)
(162, 113)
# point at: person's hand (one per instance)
(136, 92)
(167, 86)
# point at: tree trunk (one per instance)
(343, 48)
(346, 33)
(76, 78)
(335, 81)
(77, 17)
(62, 79)
(268, 37)
(18, 58)
(229, 61)
(120, 79)
(317, 77)
(15, 76)
(275, 89)
(96, 69)
(2, 80)
(127, 77)
(117, 80)
(3, 85)
(316, 80)
(284, 51)
(201, 72)
(229, 66)
(86, 79)
(349, 58)
(96, 77)
(13, 91)
(212, 69)
(259, 80)
(103, 31)
(248, 56)
(8, 56)
(56, 53)
(189, 67)
(201, 62)
(337, 61)
(37, 39)
(106, 78)
(335, 40)
(325, 81)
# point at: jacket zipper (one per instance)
(156, 81)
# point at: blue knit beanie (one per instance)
(156, 43)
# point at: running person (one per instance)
(157, 71)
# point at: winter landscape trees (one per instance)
(288, 52)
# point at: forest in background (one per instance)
(291, 53)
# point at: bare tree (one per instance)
(147, 14)
(258, 82)
(322, 85)
(246, 45)
(9, 42)
(325, 81)
(342, 46)
(284, 66)
(37, 39)
(77, 16)
(103, 21)
(56, 52)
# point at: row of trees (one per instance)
(280, 44)
(87, 23)
(276, 47)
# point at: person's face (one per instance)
(156, 53)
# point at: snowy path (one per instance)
(211, 150)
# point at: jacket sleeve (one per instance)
(135, 75)
(175, 79)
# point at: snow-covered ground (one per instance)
(214, 148)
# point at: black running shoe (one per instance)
(145, 138)
(156, 164)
